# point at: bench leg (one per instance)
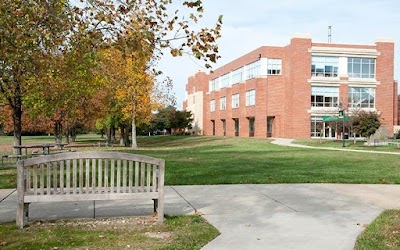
(22, 215)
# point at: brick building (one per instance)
(289, 91)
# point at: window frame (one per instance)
(316, 93)
(363, 64)
(274, 66)
(235, 100)
(222, 103)
(250, 97)
(212, 105)
(358, 95)
(326, 61)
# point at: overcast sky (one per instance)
(250, 24)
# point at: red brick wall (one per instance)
(287, 97)
(385, 90)
(298, 119)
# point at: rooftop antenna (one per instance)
(329, 34)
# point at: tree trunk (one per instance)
(17, 120)
(58, 131)
(113, 133)
(134, 142)
(122, 138)
(108, 131)
(73, 134)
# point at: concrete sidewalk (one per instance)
(281, 216)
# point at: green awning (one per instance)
(335, 118)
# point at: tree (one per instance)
(172, 120)
(30, 31)
(366, 123)
(36, 38)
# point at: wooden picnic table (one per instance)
(45, 147)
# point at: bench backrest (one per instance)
(88, 173)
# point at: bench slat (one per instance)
(68, 173)
(154, 186)
(41, 179)
(106, 180)
(80, 176)
(55, 175)
(142, 174)
(93, 187)
(136, 177)
(112, 176)
(124, 170)
(74, 176)
(48, 182)
(130, 176)
(100, 177)
(62, 184)
(87, 175)
(35, 183)
(118, 176)
(148, 177)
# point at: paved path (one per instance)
(289, 143)
(281, 216)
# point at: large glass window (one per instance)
(250, 97)
(316, 126)
(361, 67)
(237, 75)
(222, 103)
(214, 84)
(212, 105)
(224, 80)
(253, 69)
(322, 96)
(324, 66)
(360, 97)
(235, 101)
(274, 66)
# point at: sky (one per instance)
(250, 24)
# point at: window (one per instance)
(324, 66)
(361, 67)
(253, 69)
(324, 96)
(360, 97)
(237, 75)
(251, 126)
(222, 103)
(235, 101)
(214, 84)
(274, 66)
(316, 126)
(250, 97)
(236, 126)
(270, 123)
(224, 80)
(212, 105)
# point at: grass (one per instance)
(177, 232)
(202, 160)
(382, 233)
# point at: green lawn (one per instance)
(382, 233)
(218, 160)
(178, 232)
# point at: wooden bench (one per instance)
(83, 176)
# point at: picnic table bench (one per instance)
(83, 176)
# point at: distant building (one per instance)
(289, 91)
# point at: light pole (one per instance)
(342, 114)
